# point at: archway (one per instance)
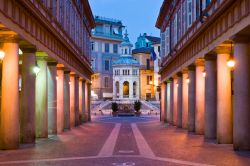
(126, 89)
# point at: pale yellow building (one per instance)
(147, 91)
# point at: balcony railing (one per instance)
(108, 35)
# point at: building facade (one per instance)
(106, 40)
(146, 48)
(205, 68)
(45, 68)
(126, 83)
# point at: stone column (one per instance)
(166, 104)
(114, 90)
(9, 128)
(171, 100)
(42, 99)
(138, 89)
(27, 111)
(200, 99)
(80, 101)
(89, 101)
(179, 100)
(52, 98)
(131, 89)
(72, 99)
(121, 90)
(60, 98)
(84, 119)
(191, 98)
(163, 101)
(66, 100)
(175, 106)
(224, 98)
(241, 128)
(210, 97)
(185, 99)
(77, 118)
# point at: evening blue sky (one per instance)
(138, 16)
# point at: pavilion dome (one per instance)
(127, 60)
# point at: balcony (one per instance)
(108, 35)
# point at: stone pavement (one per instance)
(124, 141)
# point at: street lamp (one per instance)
(231, 61)
(36, 69)
(2, 54)
(151, 82)
(204, 73)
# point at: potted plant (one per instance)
(114, 108)
(137, 107)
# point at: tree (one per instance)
(137, 105)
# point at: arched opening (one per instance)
(134, 89)
(117, 89)
(126, 89)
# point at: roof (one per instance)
(153, 39)
(126, 60)
(89, 14)
(100, 19)
(162, 13)
(146, 50)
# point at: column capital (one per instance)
(191, 67)
(60, 66)
(211, 56)
(28, 49)
(66, 71)
(241, 38)
(179, 74)
(171, 79)
(199, 62)
(72, 74)
(13, 38)
(184, 71)
(223, 50)
(50, 63)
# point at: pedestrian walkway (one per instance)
(124, 141)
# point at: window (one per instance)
(106, 82)
(149, 80)
(175, 29)
(126, 51)
(128, 72)
(148, 64)
(107, 47)
(167, 41)
(159, 49)
(115, 48)
(189, 12)
(92, 46)
(93, 63)
(106, 65)
(163, 43)
(134, 72)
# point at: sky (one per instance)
(139, 16)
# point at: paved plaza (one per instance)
(124, 141)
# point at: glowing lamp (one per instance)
(177, 85)
(2, 54)
(56, 77)
(150, 82)
(36, 69)
(204, 74)
(187, 80)
(69, 83)
(231, 63)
